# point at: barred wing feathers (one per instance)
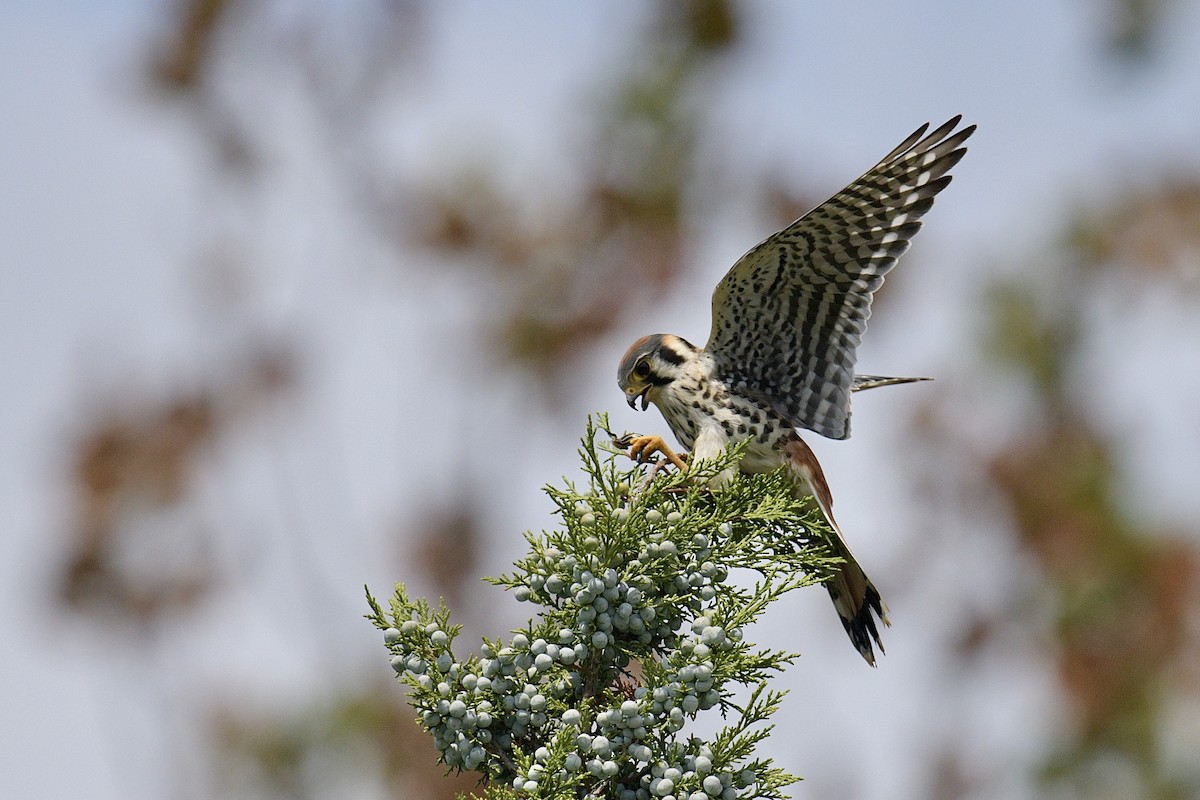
(789, 315)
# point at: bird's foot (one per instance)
(641, 448)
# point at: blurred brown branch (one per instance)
(1123, 596)
(136, 462)
(183, 60)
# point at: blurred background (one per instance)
(303, 295)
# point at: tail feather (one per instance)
(863, 382)
(858, 603)
(855, 598)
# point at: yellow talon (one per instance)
(642, 447)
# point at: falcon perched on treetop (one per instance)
(787, 320)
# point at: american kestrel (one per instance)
(786, 321)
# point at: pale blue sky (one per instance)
(106, 199)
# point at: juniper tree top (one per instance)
(642, 596)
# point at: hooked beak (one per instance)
(633, 398)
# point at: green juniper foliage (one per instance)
(639, 630)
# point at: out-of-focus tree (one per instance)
(126, 561)
(1115, 599)
(566, 275)
(570, 272)
(1132, 27)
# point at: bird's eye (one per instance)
(642, 369)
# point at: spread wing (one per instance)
(789, 315)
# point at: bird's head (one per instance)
(651, 363)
